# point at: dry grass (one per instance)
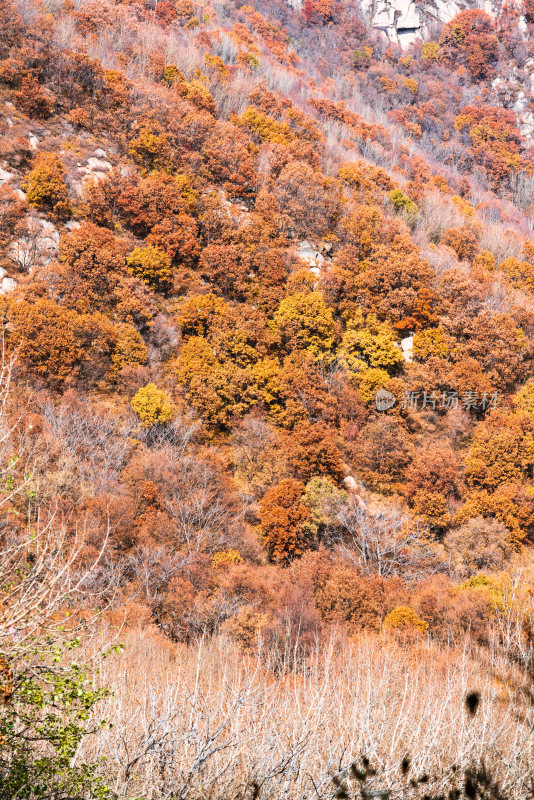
(209, 722)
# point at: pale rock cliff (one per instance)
(405, 21)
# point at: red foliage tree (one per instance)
(228, 156)
(33, 99)
(312, 450)
(470, 39)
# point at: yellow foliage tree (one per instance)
(218, 389)
(264, 127)
(171, 74)
(150, 148)
(519, 273)
(368, 343)
(152, 406)
(370, 380)
(430, 51)
(430, 342)
(197, 93)
(305, 322)
(485, 260)
(45, 185)
(491, 588)
(225, 557)
(152, 265)
(129, 347)
(405, 618)
(523, 400)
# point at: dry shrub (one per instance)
(436, 215)
(502, 242)
(207, 719)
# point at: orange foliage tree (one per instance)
(282, 515)
(470, 39)
(229, 160)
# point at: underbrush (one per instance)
(208, 721)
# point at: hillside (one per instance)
(267, 388)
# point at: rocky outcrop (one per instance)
(5, 176)
(407, 348)
(93, 170)
(7, 285)
(311, 255)
(401, 20)
(405, 21)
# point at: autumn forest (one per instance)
(266, 402)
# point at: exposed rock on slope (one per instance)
(405, 21)
(402, 20)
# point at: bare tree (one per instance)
(178, 434)
(40, 562)
(91, 446)
(203, 520)
(47, 700)
(383, 540)
(154, 568)
(39, 576)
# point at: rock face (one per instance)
(404, 21)
(95, 169)
(7, 285)
(5, 176)
(400, 20)
(312, 256)
(407, 348)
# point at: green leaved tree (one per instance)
(48, 700)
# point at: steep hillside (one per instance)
(267, 280)
(224, 247)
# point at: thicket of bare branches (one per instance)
(204, 721)
(385, 541)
